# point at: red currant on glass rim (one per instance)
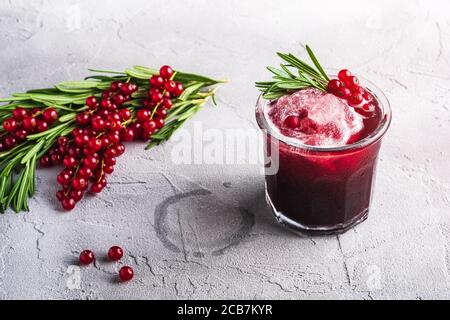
(115, 253)
(126, 273)
(86, 257)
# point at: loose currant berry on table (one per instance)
(50, 115)
(10, 125)
(126, 273)
(166, 72)
(87, 257)
(19, 113)
(115, 253)
(292, 122)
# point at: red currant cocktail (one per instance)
(326, 148)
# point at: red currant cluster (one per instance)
(24, 122)
(91, 150)
(347, 87)
(115, 253)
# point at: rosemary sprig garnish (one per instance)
(18, 165)
(295, 74)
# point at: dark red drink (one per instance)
(322, 166)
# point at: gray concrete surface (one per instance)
(204, 231)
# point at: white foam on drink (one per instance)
(334, 121)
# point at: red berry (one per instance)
(98, 124)
(115, 253)
(128, 134)
(149, 126)
(167, 103)
(76, 195)
(56, 158)
(125, 114)
(352, 82)
(157, 81)
(69, 162)
(95, 144)
(334, 85)
(113, 138)
(170, 86)
(142, 115)
(20, 134)
(166, 72)
(90, 161)
(44, 161)
(355, 99)
(86, 257)
(81, 140)
(77, 131)
(29, 124)
(62, 141)
(97, 187)
(85, 172)
(83, 118)
(127, 89)
(118, 99)
(344, 74)
(19, 113)
(41, 126)
(115, 86)
(110, 161)
(343, 92)
(50, 115)
(63, 178)
(161, 112)
(91, 102)
(156, 97)
(119, 149)
(126, 273)
(178, 90)
(10, 142)
(10, 125)
(292, 122)
(108, 169)
(159, 123)
(79, 184)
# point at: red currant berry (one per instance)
(124, 114)
(98, 124)
(128, 134)
(41, 126)
(170, 86)
(166, 72)
(106, 103)
(110, 161)
(126, 273)
(20, 134)
(97, 187)
(81, 140)
(113, 138)
(292, 122)
(118, 99)
(178, 90)
(44, 161)
(355, 99)
(68, 204)
(108, 169)
(50, 115)
(62, 141)
(79, 184)
(85, 172)
(334, 85)
(156, 97)
(10, 125)
(119, 149)
(149, 126)
(63, 178)
(115, 253)
(142, 115)
(127, 89)
(157, 81)
(69, 162)
(29, 124)
(86, 257)
(343, 92)
(91, 102)
(161, 112)
(90, 161)
(19, 113)
(159, 123)
(56, 158)
(83, 118)
(344, 74)
(76, 195)
(167, 103)
(115, 86)
(352, 82)
(77, 131)
(10, 142)
(95, 144)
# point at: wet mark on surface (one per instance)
(227, 184)
(219, 246)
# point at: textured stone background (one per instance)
(217, 239)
